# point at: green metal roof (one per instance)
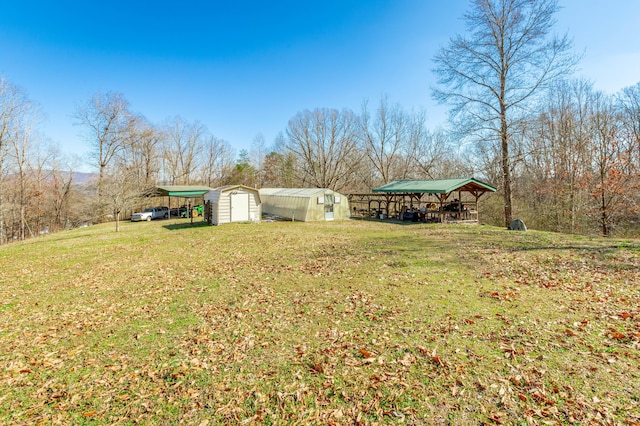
(440, 186)
(185, 191)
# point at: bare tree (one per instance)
(107, 123)
(10, 104)
(325, 146)
(59, 188)
(183, 142)
(434, 156)
(217, 161)
(21, 151)
(489, 77)
(141, 152)
(609, 181)
(121, 191)
(258, 153)
(18, 118)
(557, 154)
(385, 137)
(628, 106)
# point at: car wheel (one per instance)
(148, 218)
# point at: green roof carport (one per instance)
(182, 191)
(441, 188)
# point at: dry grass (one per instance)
(333, 323)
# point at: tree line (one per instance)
(564, 156)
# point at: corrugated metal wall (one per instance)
(220, 199)
(302, 203)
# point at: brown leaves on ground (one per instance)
(309, 324)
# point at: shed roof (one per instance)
(185, 191)
(227, 188)
(232, 187)
(439, 186)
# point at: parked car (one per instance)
(150, 214)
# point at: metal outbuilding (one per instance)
(305, 204)
(232, 203)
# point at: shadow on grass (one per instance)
(585, 248)
(187, 225)
(391, 221)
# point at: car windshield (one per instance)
(148, 210)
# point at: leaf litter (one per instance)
(295, 327)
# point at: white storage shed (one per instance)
(305, 204)
(232, 203)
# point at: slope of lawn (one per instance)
(355, 322)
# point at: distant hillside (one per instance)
(80, 177)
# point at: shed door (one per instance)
(239, 207)
(328, 206)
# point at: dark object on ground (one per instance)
(517, 225)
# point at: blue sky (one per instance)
(246, 67)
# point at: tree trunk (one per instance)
(2, 233)
(605, 227)
(506, 166)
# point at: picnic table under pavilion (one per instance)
(424, 200)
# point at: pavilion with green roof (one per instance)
(427, 200)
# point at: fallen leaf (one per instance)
(365, 353)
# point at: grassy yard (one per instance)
(353, 322)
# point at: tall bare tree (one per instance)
(258, 153)
(21, 149)
(217, 161)
(183, 142)
(629, 112)
(7, 106)
(324, 143)
(628, 106)
(609, 180)
(107, 123)
(18, 118)
(489, 76)
(59, 188)
(141, 152)
(10, 100)
(120, 192)
(385, 137)
(557, 155)
(433, 155)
